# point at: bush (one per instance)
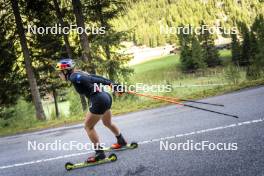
(6, 113)
(53, 114)
(232, 74)
(4, 123)
(22, 112)
(253, 72)
(75, 103)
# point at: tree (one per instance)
(235, 49)
(29, 70)
(185, 40)
(245, 54)
(69, 51)
(258, 30)
(63, 24)
(210, 52)
(9, 80)
(197, 54)
(46, 48)
(255, 70)
(253, 46)
(102, 13)
(86, 53)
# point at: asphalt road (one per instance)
(169, 125)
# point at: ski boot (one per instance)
(121, 142)
(99, 155)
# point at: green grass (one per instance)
(226, 56)
(160, 63)
(153, 71)
(165, 70)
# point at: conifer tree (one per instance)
(235, 49)
(210, 52)
(106, 45)
(28, 62)
(185, 41)
(197, 54)
(245, 52)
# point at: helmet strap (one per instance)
(67, 74)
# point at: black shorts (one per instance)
(100, 102)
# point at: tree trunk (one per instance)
(111, 71)
(54, 94)
(29, 70)
(86, 54)
(63, 24)
(68, 47)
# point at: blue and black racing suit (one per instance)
(87, 84)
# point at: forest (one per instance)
(146, 17)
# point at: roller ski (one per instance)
(98, 159)
(121, 145)
(118, 147)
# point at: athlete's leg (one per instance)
(107, 121)
(89, 123)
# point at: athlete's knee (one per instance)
(107, 124)
(88, 127)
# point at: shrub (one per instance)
(253, 72)
(232, 74)
(75, 103)
(22, 112)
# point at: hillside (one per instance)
(145, 18)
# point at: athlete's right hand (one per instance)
(118, 88)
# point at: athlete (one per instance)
(100, 103)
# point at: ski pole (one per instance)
(179, 99)
(175, 102)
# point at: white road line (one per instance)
(142, 142)
(45, 160)
(202, 131)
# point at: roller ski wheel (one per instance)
(112, 157)
(70, 166)
(134, 145)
